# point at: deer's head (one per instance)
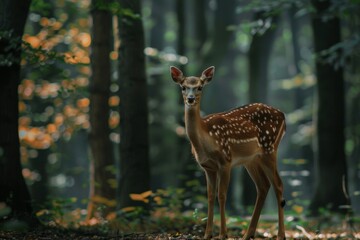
(191, 87)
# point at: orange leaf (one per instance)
(128, 209)
(141, 197)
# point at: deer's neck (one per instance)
(193, 124)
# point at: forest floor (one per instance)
(307, 229)
(63, 234)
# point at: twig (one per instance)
(308, 235)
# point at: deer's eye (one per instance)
(183, 88)
(199, 88)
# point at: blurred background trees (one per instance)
(99, 117)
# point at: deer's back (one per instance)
(247, 123)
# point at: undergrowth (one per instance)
(168, 218)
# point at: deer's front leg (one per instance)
(211, 191)
(224, 178)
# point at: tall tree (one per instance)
(331, 170)
(134, 145)
(183, 148)
(200, 30)
(216, 48)
(160, 134)
(259, 56)
(101, 146)
(13, 190)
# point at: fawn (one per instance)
(248, 136)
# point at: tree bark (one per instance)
(330, 169)
(13, 190)
(102, 160)
(134, 144)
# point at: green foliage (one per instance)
(57, 212)
(115, 8)
(40, 6)
(272, 7)
(34, 56)
(11, 50)
(339, 54)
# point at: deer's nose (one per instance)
(191, 99)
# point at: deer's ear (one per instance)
(176, 75)
(207, 74)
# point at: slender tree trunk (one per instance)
(331, 161)
(158, 132)
(215, 49)
(300, 95)
(158, 7)
(259, 56)
(294, 28)
(216, 46)
(200, 25)
(134, 145)
(102, 161)
(183, 148)
(13, 190)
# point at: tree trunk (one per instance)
(163, 138)
(200, 26)
(157, 33)
(331, 161)
(215, 49)
(13, 190)
(134, 145)
(187, 163)
(259, 56)
(295, 68)
(102, 160)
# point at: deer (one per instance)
(248, 135)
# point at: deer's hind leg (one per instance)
(262, 184)
(270, 167)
